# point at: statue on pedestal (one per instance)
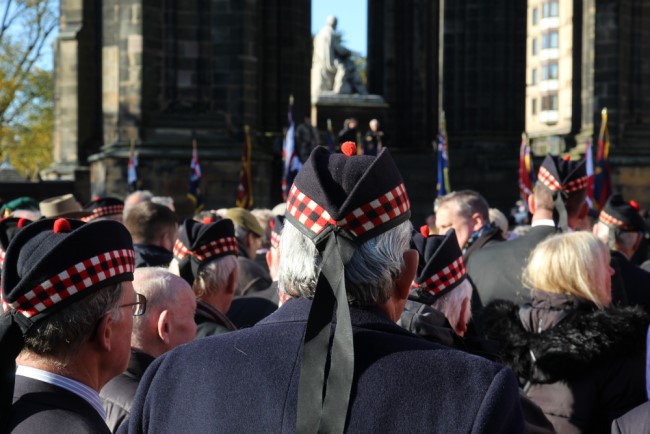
(333, 71)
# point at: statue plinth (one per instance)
(339, 107)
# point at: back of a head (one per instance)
(569, 263)
(148, 221)
(468, 202)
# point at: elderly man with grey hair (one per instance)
(332, 359)
(167, 323)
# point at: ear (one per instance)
(407, 274)
(463, 318)
(477, 221)
(531, 203)
(595, 229)
(164, 326)
(104, 332)
(584, 210)
(232, 282)
(269, 258)
(638, 242)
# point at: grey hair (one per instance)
(623, 241)
(467, 203)
(213, 276)
(369, 275)
(162, 289)
(61, 335)
(451, 303)
(135, 198)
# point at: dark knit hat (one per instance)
(561, 177)
(277, 224)
(51, 264)
(622, 216)
(339, 201)
(103, 207)
(441, 267)
(198, 242)
(9, 226)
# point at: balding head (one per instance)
(169, 318)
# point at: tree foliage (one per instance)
(26, 90)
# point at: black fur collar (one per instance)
(577, 343)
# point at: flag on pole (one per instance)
(589, 163)
(245, 188)
(132, 172)
(330, 137)
(525, 170)
(290, 159)
(194, 193)
(443, 186)
(602, 177)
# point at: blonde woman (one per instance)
(578, 358)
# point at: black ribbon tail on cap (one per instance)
(324, 409)
(11, 342)
(559, 211)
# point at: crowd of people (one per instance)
(329, 313)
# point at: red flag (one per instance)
(602, 178)
(245, 188)
(525, 170)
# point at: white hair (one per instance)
(451, 303)
(369, 276)
(162, 289)
(213, 276)
(624, 241)
(135, 198)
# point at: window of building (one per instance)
(533, 78)
(550, 40)
(550, 9)
(535, 16)
(534, 106)
(549, 102)
(550, 71)
(534, 46)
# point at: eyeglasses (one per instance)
(139, 306)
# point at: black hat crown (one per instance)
(104, 206)
(622, 215)
(558, 174)
(198, 242)
(441, 267)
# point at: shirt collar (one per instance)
(81, 390)
(543, 222)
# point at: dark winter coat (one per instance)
(40, 407)
(118, 393)
(496, 270)
(210, 322)
(147, 255)
(247, 381)
(634, 421)
(583, 366)
(635, 281)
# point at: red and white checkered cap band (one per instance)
(75, 279)
(106, 210)
(546, 178)
(208, 250)
(444, 278)
(611, 221)
(275, 240)
(359, 221)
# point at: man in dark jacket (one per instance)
(288, 374)
(167, 323)
(154, 229)
(205, 255)
(559, 194)
(621, 227)
(67, 286)
(467, 212)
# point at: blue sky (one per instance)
(352, 18)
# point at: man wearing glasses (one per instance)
(69, 306)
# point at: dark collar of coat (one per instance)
(138, 363)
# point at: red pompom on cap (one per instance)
(207, 220)
(349, 148)
(635, 205)
(22, 223)
(61, 226)
(424, 230)
(567, 157)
